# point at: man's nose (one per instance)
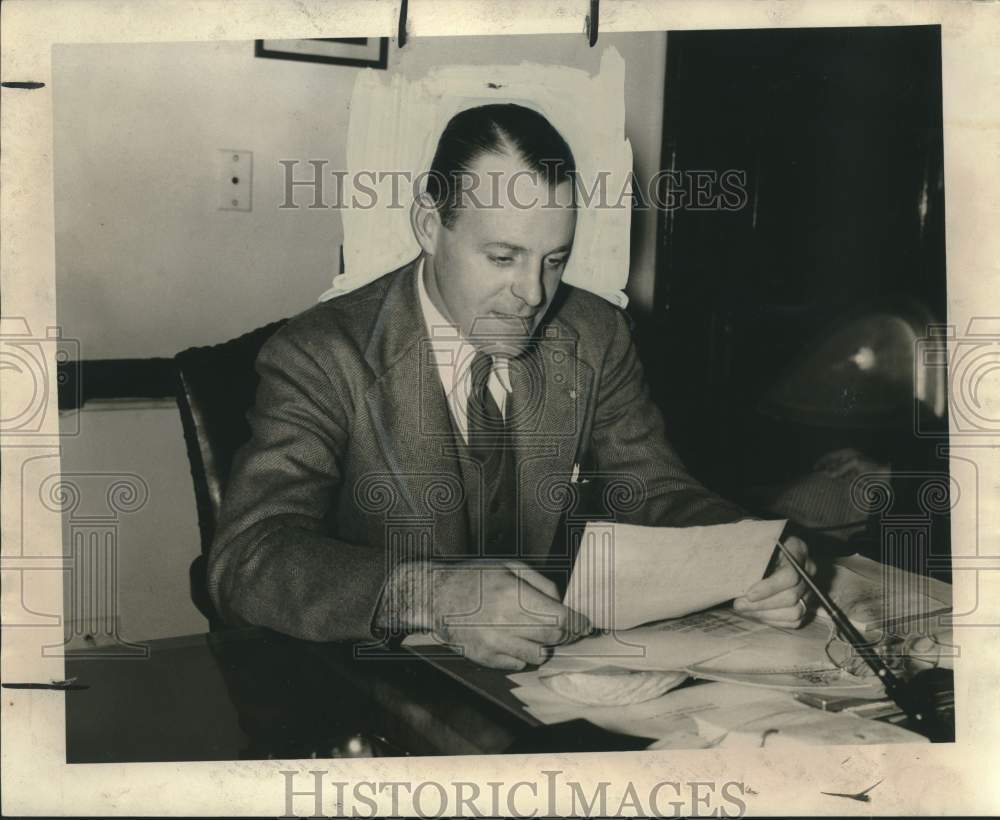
(528, 285)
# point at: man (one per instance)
(414, 440)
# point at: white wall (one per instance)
(145, 263)
(156, 543)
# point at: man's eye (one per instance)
(556, 262)
(501, 260)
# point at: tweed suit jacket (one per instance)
(353, 465)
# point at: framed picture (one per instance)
(359, 52)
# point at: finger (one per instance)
(577, 627)
(532, 616)
(780, 600)
(534, 577)
(797, 547)
(524, 649)
(791, 617)
(542, 608)
(501, 661)
(576, 623)
(579, 624)
(783, 578)
(539, 634)
(488, 645)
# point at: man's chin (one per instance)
(510, 347)
(504, 336)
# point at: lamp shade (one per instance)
(862, 372)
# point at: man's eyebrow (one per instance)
(519, 249)
(506, 246)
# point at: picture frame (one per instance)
(356, 52)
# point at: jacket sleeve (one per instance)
(273, 562)
(628, 438)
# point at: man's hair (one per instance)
(502, 129)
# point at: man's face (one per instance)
(496, 268)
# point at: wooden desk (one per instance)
(254, 694)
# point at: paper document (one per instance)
(723, 645)
(671, 644)
(830, 682)
(668, 715)
(789, 725)
(626, 575)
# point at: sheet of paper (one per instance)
(777, 724)
(669, 645)
(779, 650)
(628, 575)
(673, 715)
(832, 682)
(666, 716)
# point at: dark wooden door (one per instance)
(835, 137)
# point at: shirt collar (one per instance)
(444, 334)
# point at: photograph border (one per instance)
(931, 779)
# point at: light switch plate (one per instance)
(235, 179)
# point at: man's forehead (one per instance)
(537, 228)
(507, 181)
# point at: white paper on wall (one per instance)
(394, 127)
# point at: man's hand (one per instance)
(501, 614)
(782, 598)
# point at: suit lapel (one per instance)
(409, 414)
(551, 391)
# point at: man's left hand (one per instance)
(782, 598)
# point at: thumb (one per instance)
(534, 578)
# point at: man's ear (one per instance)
(425, 220)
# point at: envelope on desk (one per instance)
(627, 575)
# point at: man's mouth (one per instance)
(514, 317)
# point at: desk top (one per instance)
(254, 694)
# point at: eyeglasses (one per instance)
(904, 655)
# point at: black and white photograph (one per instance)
(503, 397)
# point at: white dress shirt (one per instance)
(453, 355)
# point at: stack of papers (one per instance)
(655, 594)
(783, 724)
(707, 715)
(651, 592)
(875, 596)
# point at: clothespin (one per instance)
(591, 23)
(401, 31)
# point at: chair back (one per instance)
(216, 387)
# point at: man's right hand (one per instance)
(502, 614)
(499, 613)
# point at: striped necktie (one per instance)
(491, 445)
